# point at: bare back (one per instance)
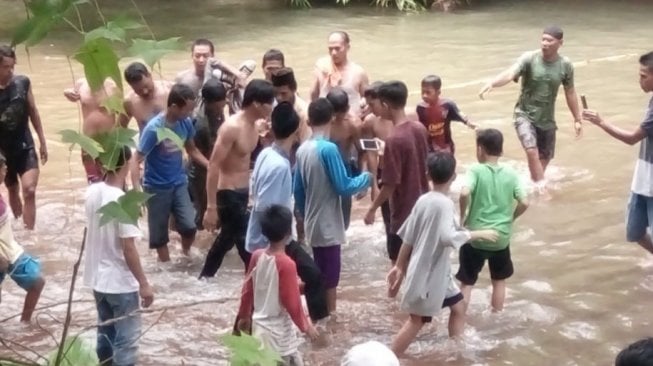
(96, 119)
(243, 137)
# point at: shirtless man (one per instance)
(96, 119)
(337, 71)
(346, 133)
(17, 108)
(147, 98)
(285, 90)
(227, 183)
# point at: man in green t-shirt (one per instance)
(491, 190)
(541, 72)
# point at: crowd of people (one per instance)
(276, 175)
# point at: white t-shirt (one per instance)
(105, 269)
(643, 174)
(10, 250)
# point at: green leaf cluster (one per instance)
(249, 351)
(126, 210)
(77, 352)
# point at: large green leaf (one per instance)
(77, 353)
(151, 51)
(114, 104)
(163, 133)
(45, 14)
(92, 147)
(247, 350)
(126, 210)
(132, 201)
(115, 30)
(112, 143)
(100, 62)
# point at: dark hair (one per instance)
(6, 51)
(202, 42)
(432, 81)
(180, 94)
(273, 54)
(339, 100)
(276, 223)
(285, 120)
(135, 72)
(394, 93)
(213, 91)
(284, 77)
(441, 167)
(258, 90)
(344, 35)
(639, 353)
(3, 160)
(647, 60)
(554, 31)
(320, 112)
(491, 140)
(372, 90)
(124, 155)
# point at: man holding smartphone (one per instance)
(541, 74)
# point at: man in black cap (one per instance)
(541, 73)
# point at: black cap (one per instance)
(554, 31)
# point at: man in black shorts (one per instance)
(17, 107)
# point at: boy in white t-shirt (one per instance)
(113, 270)
(20, 266)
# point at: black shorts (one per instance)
(393, 243)
(18, 163)
(447, 303)
(473, 259)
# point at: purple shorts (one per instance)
(327, 260)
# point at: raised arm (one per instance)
(335, 168)
(506, 76)
(629, 137)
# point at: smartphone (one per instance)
(369, 144)
(583, 101)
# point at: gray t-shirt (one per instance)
(643, 175)
(432, 232)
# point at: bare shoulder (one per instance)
(165, 85)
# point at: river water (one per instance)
(580, 292)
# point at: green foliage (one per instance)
(77, 353)
(100, 62)
(164, 133)
(92, 147)
(249, 351)
(126, 210)
(115, 30)
(112, 143)
(302, 4)
(152, 51)
(44, 15)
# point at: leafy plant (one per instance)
(164, 133)
(77, 352)
(249, 351)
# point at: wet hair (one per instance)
(6, 51)
(491, 140)
(647, 60)
(432, 81)
(344, 35)
(339, 100)
(285, 76)
(394, 93)
(276, 223)
(273, 54)
(135, 72)
(180, 94)
(441, 167)
(554, 31)
(639, 353)
(213, 91)
(260, 91)
(285, 120)
(372, 90)
(320, 112)
(202, 42)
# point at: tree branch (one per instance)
(4, 342)
(46, 307)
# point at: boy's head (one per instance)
(393, 96)
(320, 112)
(285, 121)
(339, 100)
(276, 224)
(259, 97)
(431, 86)
(489, 142)
(214, 96)
(140, 80)
(441, 167)
(646, 72)
(371, 95)
(181, 101)
(273, 60)
(285, 85)
(639, 353)
(3, 168)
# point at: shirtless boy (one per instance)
(336, 70)
(227, 183)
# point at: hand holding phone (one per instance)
(369, 144)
